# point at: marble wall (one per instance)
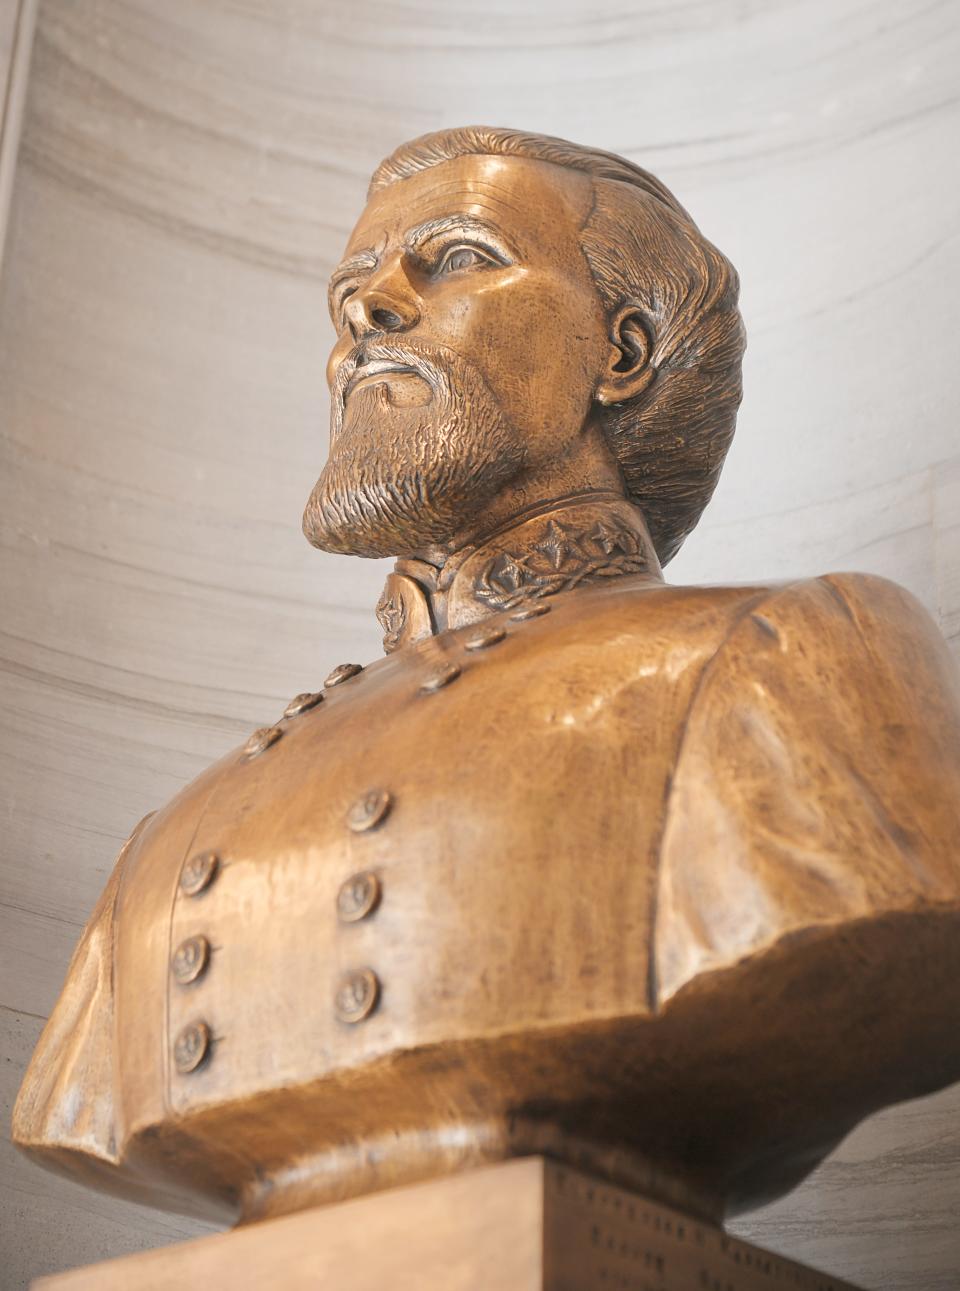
(17, 20)
(187, 175)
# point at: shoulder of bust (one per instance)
(851, 614)
(872, 606)
(819, 777)
(718, 636)
(605, 632)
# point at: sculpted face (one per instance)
(470, 342)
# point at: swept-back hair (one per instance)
(644, 250)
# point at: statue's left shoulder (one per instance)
(885, 616)
(819, 778)
(895, 627)
(871, 649)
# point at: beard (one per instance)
(403, 477)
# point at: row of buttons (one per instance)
(190, 961)
(192, 956)
(358, 992)
(262, 739)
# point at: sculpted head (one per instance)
(520, 319)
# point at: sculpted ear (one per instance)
(628, 369)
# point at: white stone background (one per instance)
(187, 175)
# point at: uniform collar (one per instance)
(559, 546)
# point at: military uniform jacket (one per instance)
(551, 859)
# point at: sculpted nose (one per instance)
(386, 303)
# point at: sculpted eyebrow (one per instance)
(362, 262)
(453, 224)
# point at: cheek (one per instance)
(531, 335)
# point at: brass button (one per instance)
(198, 872)
(440, 678)
(300, 703)
(369, 810)
(358, 897)
(531, 611)
(357, 995)
(486, 637)
(343, 672)
(261, 740)
(191, 1047)
(190, 959)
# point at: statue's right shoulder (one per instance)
(69, 1114)
(66, 1104)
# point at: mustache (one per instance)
(431, 362)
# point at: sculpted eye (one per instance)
(458, 258)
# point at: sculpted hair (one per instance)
(644, 250)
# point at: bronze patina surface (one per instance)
(662, 883)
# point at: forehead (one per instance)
(535, 203)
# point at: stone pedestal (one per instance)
(526, 1225)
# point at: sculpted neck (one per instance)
(553, 547)
(550, 477)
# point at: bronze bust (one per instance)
(660, 882)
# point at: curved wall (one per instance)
(187, 176)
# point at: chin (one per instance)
(377, 519)
(398, 483)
